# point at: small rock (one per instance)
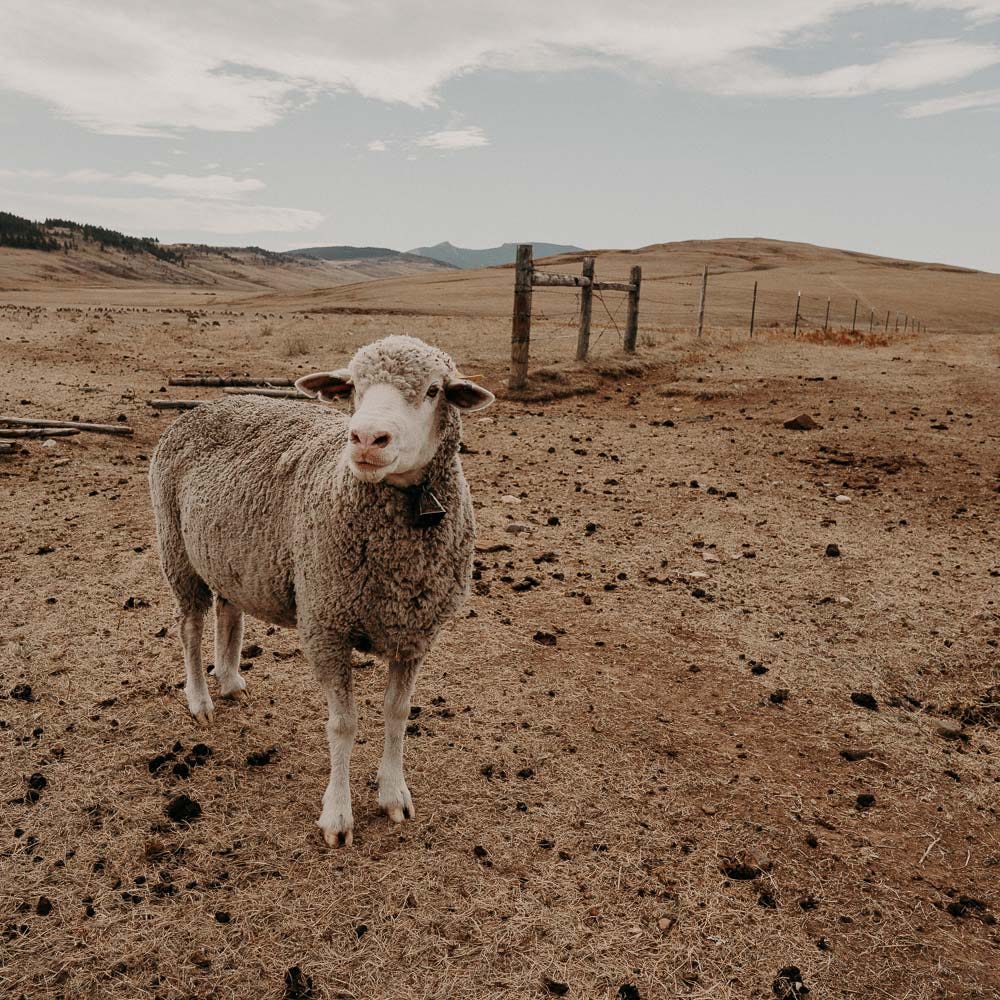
(517, 528)
(509, 498)
(841, 498)
(803, 422)
(949, 729)
(50, 443)
(833, 550)
(544, 638)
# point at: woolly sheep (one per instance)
(358, 531)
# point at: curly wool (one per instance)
(405, 363)
(254, 502)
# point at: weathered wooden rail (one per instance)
(527, 277)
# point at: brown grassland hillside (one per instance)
(721, 717)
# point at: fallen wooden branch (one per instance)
(121, 429)
(176, 404)
(278, 393)
(38, 432)
(7, 446)
(218, 380)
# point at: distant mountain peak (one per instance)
(464, 257)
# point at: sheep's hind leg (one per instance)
(196, 686)
(228, 646)
(393, 795)
(332, 663)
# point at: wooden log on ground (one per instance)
(37, 432)
(236, 390)
(219, 381)
(6, 447)
(569, 280)
(122, 429)
(176, 404)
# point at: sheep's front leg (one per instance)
(393, 795)
(333, 670)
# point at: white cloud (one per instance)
(957, 102)
(205, 186)
(377, 146)
(469, 137)
(149, 68)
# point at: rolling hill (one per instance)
(66, 254)
(942, 296)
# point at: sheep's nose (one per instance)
(371, 439)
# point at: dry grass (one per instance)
(658, 756)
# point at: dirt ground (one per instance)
(673, 748)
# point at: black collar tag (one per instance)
(427, 509)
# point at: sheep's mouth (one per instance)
(371, 471)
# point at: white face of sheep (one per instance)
(392, 437)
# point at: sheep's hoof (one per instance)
(338, 838)
(237, 694)
(398, 813)
(203, 710)
(396, 804)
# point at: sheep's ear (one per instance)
(467, 395)
(327, 386)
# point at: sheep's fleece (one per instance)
(254, 502)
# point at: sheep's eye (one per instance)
(433, 391)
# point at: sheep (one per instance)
(358, 531)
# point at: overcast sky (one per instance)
(866, 125)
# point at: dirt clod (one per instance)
(788, 985)
(183, 809)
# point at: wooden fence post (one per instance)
(887, 320)
(586, 306)
(871, 322)
(906, 321)
(632, 309)
(753, 308)
(854, 322)
(826, 322)
(798, 300)
(521, 327)
(701, 301)
(896, 328)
